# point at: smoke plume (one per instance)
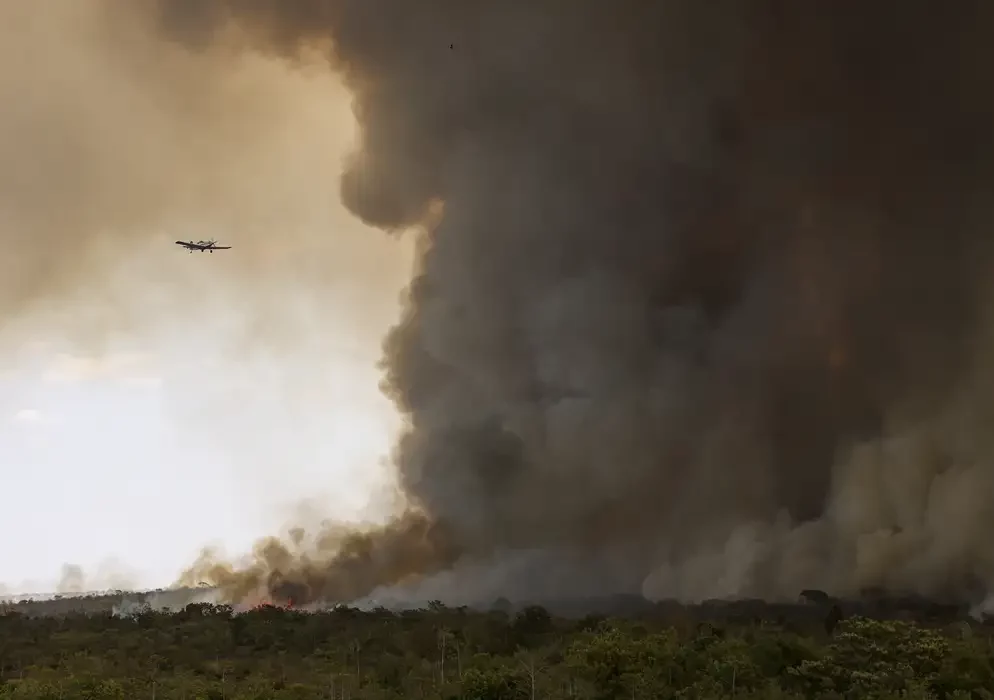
(702, 309)
(706, 302)
(72, 579)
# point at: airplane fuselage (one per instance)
(202, 246)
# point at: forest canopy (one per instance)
(208, 651)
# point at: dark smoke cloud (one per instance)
(705, 301)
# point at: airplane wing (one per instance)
(190, 245)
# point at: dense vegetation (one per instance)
(209, 651)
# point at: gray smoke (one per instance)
(109, 575)
(71, 580)
(704, 302)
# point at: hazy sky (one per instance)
(144, 458)
(151, 401)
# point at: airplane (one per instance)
(210, 246)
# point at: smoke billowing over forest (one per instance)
(703, 310)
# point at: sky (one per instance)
(153, 402)
(127, 465)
